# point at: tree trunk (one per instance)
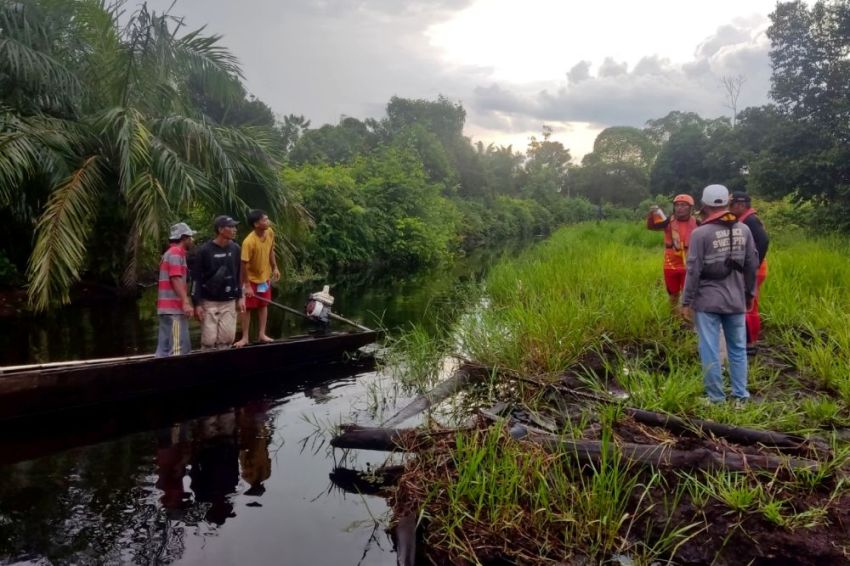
(382, 439)
(405, 539)
(699, 427)
(584, 451)
(662, 456)
(445, 389)
(368, 483)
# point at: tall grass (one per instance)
(552, 305)
(501, 488)
(597, 291)
(591, 302)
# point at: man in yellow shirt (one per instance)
(259, 271)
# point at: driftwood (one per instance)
(386, 439)
(584, 451)
(445, 389)
(699, 427)
(665, 456)
(371, 438)
(405, 539)
(372, 482)
(740, 435)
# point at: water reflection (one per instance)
(199, 478)
(144, 497)
(173, 454)
(199, 463)
(99, 497)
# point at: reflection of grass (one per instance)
(590, 303)
(415, 358)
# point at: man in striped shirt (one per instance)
(173, 303)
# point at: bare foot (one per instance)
(265, 339)
(240, 343)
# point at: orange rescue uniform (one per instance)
(677, 239)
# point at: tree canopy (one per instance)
(110, 131)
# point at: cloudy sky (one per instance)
(515, 65)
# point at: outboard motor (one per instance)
(318, 308)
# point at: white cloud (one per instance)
(615, 95)
(514, 66)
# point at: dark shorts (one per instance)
(252, 303)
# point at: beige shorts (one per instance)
(218, 329)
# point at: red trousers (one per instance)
(752, 317)
(674, 280)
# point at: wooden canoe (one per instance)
(45, 388)
(40, 435)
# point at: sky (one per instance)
(577, 67)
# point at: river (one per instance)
(235, 477)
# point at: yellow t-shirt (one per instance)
(255, 251)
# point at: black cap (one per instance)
(739, 196)
(224, 220)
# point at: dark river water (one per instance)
(240, 476)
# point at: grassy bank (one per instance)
(587, 310)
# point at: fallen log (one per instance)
(405, 539)
(386, 439)
(584, 451)
(445, 389)
(740, 435)
(662, 456)
(371, 438)
(699, 427)
(369, 482)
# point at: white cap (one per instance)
(715, 195)
(179, 230)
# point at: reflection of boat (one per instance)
(35, 389)
(42, 435)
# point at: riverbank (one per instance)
(578, 333)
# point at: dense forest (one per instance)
(117, 121)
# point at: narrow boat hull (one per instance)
(49, 389)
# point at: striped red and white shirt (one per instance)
(173, 264)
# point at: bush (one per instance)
(9, 274)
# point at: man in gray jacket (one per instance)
(719, 289)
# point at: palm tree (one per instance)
(97, 125)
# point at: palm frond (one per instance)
(127, 140)
(199, 143)
(183, 182)
(252, 148)
(19, 160)
(33, 146)
(95, 25)
(29, 56)
(37, 71)
(149, 214)
(204, 55)
(61, 234)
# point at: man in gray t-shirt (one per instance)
(719, 288)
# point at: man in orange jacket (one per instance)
(677, 237)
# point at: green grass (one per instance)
(597, 290)
(501, 487)
(590, 302)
